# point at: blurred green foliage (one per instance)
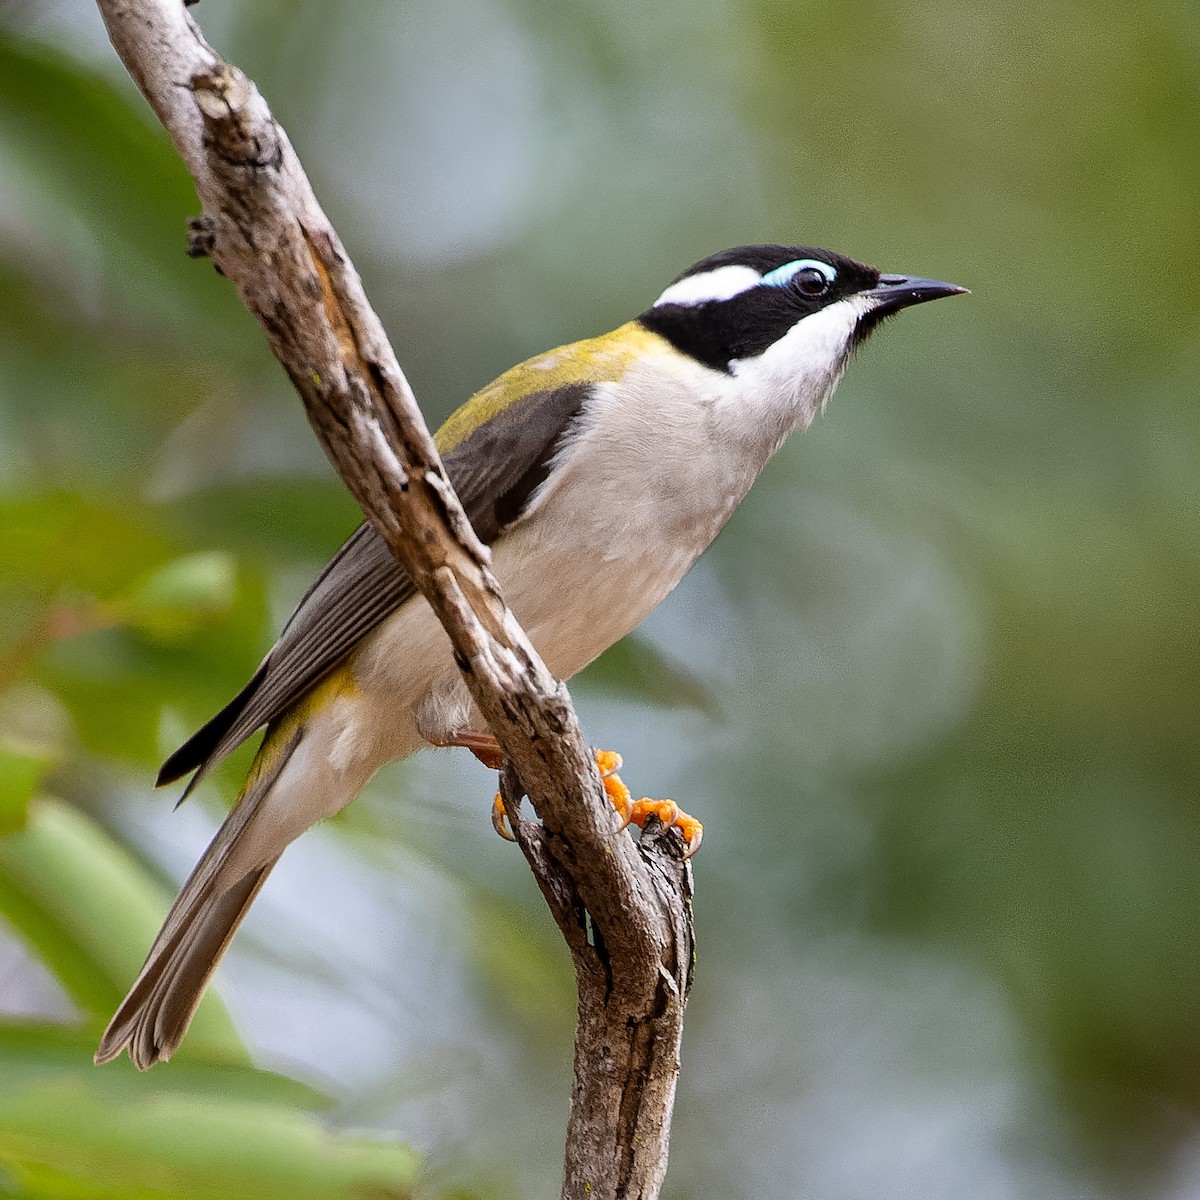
(934, 692)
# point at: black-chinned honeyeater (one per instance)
(597, 473)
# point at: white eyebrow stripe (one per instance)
(720, 284)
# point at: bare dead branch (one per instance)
(624, 909)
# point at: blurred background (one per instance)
(934, 692)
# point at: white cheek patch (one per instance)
(721, 284)
(802, 368)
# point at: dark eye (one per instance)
(812, 282)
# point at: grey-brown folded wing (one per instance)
(495, 472)
(359, 588)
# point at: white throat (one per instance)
(785, 386)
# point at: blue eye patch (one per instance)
(782, 276)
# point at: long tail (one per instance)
(156, 1013)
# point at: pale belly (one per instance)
(598, 551)
(573, 600)
(578, 580)
(577, 587)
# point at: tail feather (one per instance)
(203, 749)
(186, 975)
(156, 1013)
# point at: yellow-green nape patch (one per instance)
(601, 359)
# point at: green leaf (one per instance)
(39, 1052)
(89, 911)
(181, 1132)
(75, 141)
(57, 540)
(116, 683)
(23, 766)
(174, 600)
(524, 963)
(266, 520)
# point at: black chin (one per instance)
(869, 323)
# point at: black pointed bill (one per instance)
(895, 292)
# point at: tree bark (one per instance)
(624, 909)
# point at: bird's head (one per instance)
(783, 319)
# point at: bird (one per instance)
(597, 473)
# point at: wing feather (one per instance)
(496, 469)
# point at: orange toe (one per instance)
(620, 797)
(673, 817)
(608, 763)
(635, 813)
(667, 811)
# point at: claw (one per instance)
(692, 833)
(500, 819)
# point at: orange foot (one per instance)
(485, 748)
(483, 745)
(635, 812)
(631, 812)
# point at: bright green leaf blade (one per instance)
(55, 540)
(90, 912)
(33, 1053)
(198, 1132)
(22, 768)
